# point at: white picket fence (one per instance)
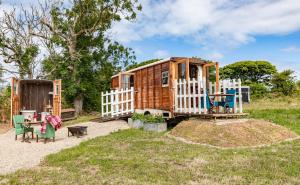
(225, 85)
(117, 102)
(191, 95)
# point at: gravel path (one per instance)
(16, 155)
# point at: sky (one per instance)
(220, 30)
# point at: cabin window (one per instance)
(127, 81)
(181, 71)
(15, 88)
(165, 78)
(193, 71)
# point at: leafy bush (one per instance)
(153, 119)
(137, 116)
(258, 90)
(150, 118)
(284, 83)
(5, 103)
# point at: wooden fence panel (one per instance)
(117, 102)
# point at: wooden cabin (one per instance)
(37, 95)
(153, 83)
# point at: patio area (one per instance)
(15, 155)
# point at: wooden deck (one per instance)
(215, 115)
(109, 118)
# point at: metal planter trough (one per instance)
(135, 123)
(155, 127)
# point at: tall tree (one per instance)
(249, 71)
(284, 82)
(18, 46)
(87, 54)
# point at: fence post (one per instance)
(234, 101)
(126, 100)
(132, 99)
(122, 101)
(189, 95)
(194, 95)
(175, 95)
(199, 95)
(240, 96)
(180, 95)
(106, 103)
(184, 95)
(204, 95)
(102, 106)
(112, 102)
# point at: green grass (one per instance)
(80, 119)
(289, 118)
(138, 157)
(284, 111)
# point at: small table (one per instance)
(77, 130)
(222, 95)
(28, 125)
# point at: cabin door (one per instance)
(15, 98)
(57, 98)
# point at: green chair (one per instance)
(229, 101)
(50, 133)
(18, 121)
(209, 103)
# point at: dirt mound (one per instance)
(232, 133)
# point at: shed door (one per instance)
(15, 98)
(57, 98)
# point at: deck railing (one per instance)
(191, 95)
(117, 102)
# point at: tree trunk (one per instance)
(78, 102)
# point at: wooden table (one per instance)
(28, 124)
(222, 95)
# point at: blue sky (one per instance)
(221, 30)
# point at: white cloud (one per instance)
(161, 54)
(214, 56)
(292, 49)
(228, 21)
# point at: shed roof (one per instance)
(161, 61)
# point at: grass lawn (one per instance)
(80, 119)
(284, 111)
(138, 157)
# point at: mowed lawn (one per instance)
(138, 157)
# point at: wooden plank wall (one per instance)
(115, 82)
(34, 96)
(148, 86)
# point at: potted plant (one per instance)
(136, 121)
(155, 123)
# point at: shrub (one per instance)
(258, 90)
(5, 103)
(150, 118)
(153, 119)
(284, 83)
(137, 116)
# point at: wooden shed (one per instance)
(153, 83)
(38, 95)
